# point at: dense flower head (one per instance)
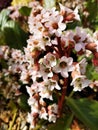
(49, 59)
(52, 57)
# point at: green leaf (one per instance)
(95, 75)
(4, 16)
(73, 25)
(15, 37)
(3, 63)
(2, 38)
(11, 32)
(62, 123)
(49, 3)
(86, 111)
(89, 70)
(92, 8)
(12, 106)
(22, 102)
(25, 11)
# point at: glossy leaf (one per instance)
(25, 11)
(4, 16)
(22, 102)
(86, 111)
(15, 37)
(10, 31)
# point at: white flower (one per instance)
(29, 90)
(43, 114)
(24, 76)
(53, 111)
(52, 84)
(36, 42)
(82, 36)
(54, 41)
(46, 88)
(45, 66)
(55, 25)
(94, 85)
(80, 82)
(64, 9)
(52, 118)
(45, 92)
(67, 10)
(81, 66)
(34, 74)
(42, 102)
(34, 105)
(53, 108)
(79, 46)
(32, 101)
(67, 37)
(28, 57)
(31, 119)
(64, 66)
(81, 33)
(77, 16)
(45, 71)
(51, 59)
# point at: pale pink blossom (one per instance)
(53, 111)
(51, 59)
(45, 71)
(45, 68)
(31, 120)
(81, 67)
(53, 108)
(55, 25)
(82, 36)
(64, 65)
(67, 37)
(34, 104)
(79, 82)
(45, 92)
(66, 10)
(52, 118)
(43, 113)
(52, 84)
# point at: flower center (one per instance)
(35, 42)
(63, 64)
(47, 70)
(55, 25)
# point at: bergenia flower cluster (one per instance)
(51, 58)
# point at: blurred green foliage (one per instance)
(11, 32)
(91, 21)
